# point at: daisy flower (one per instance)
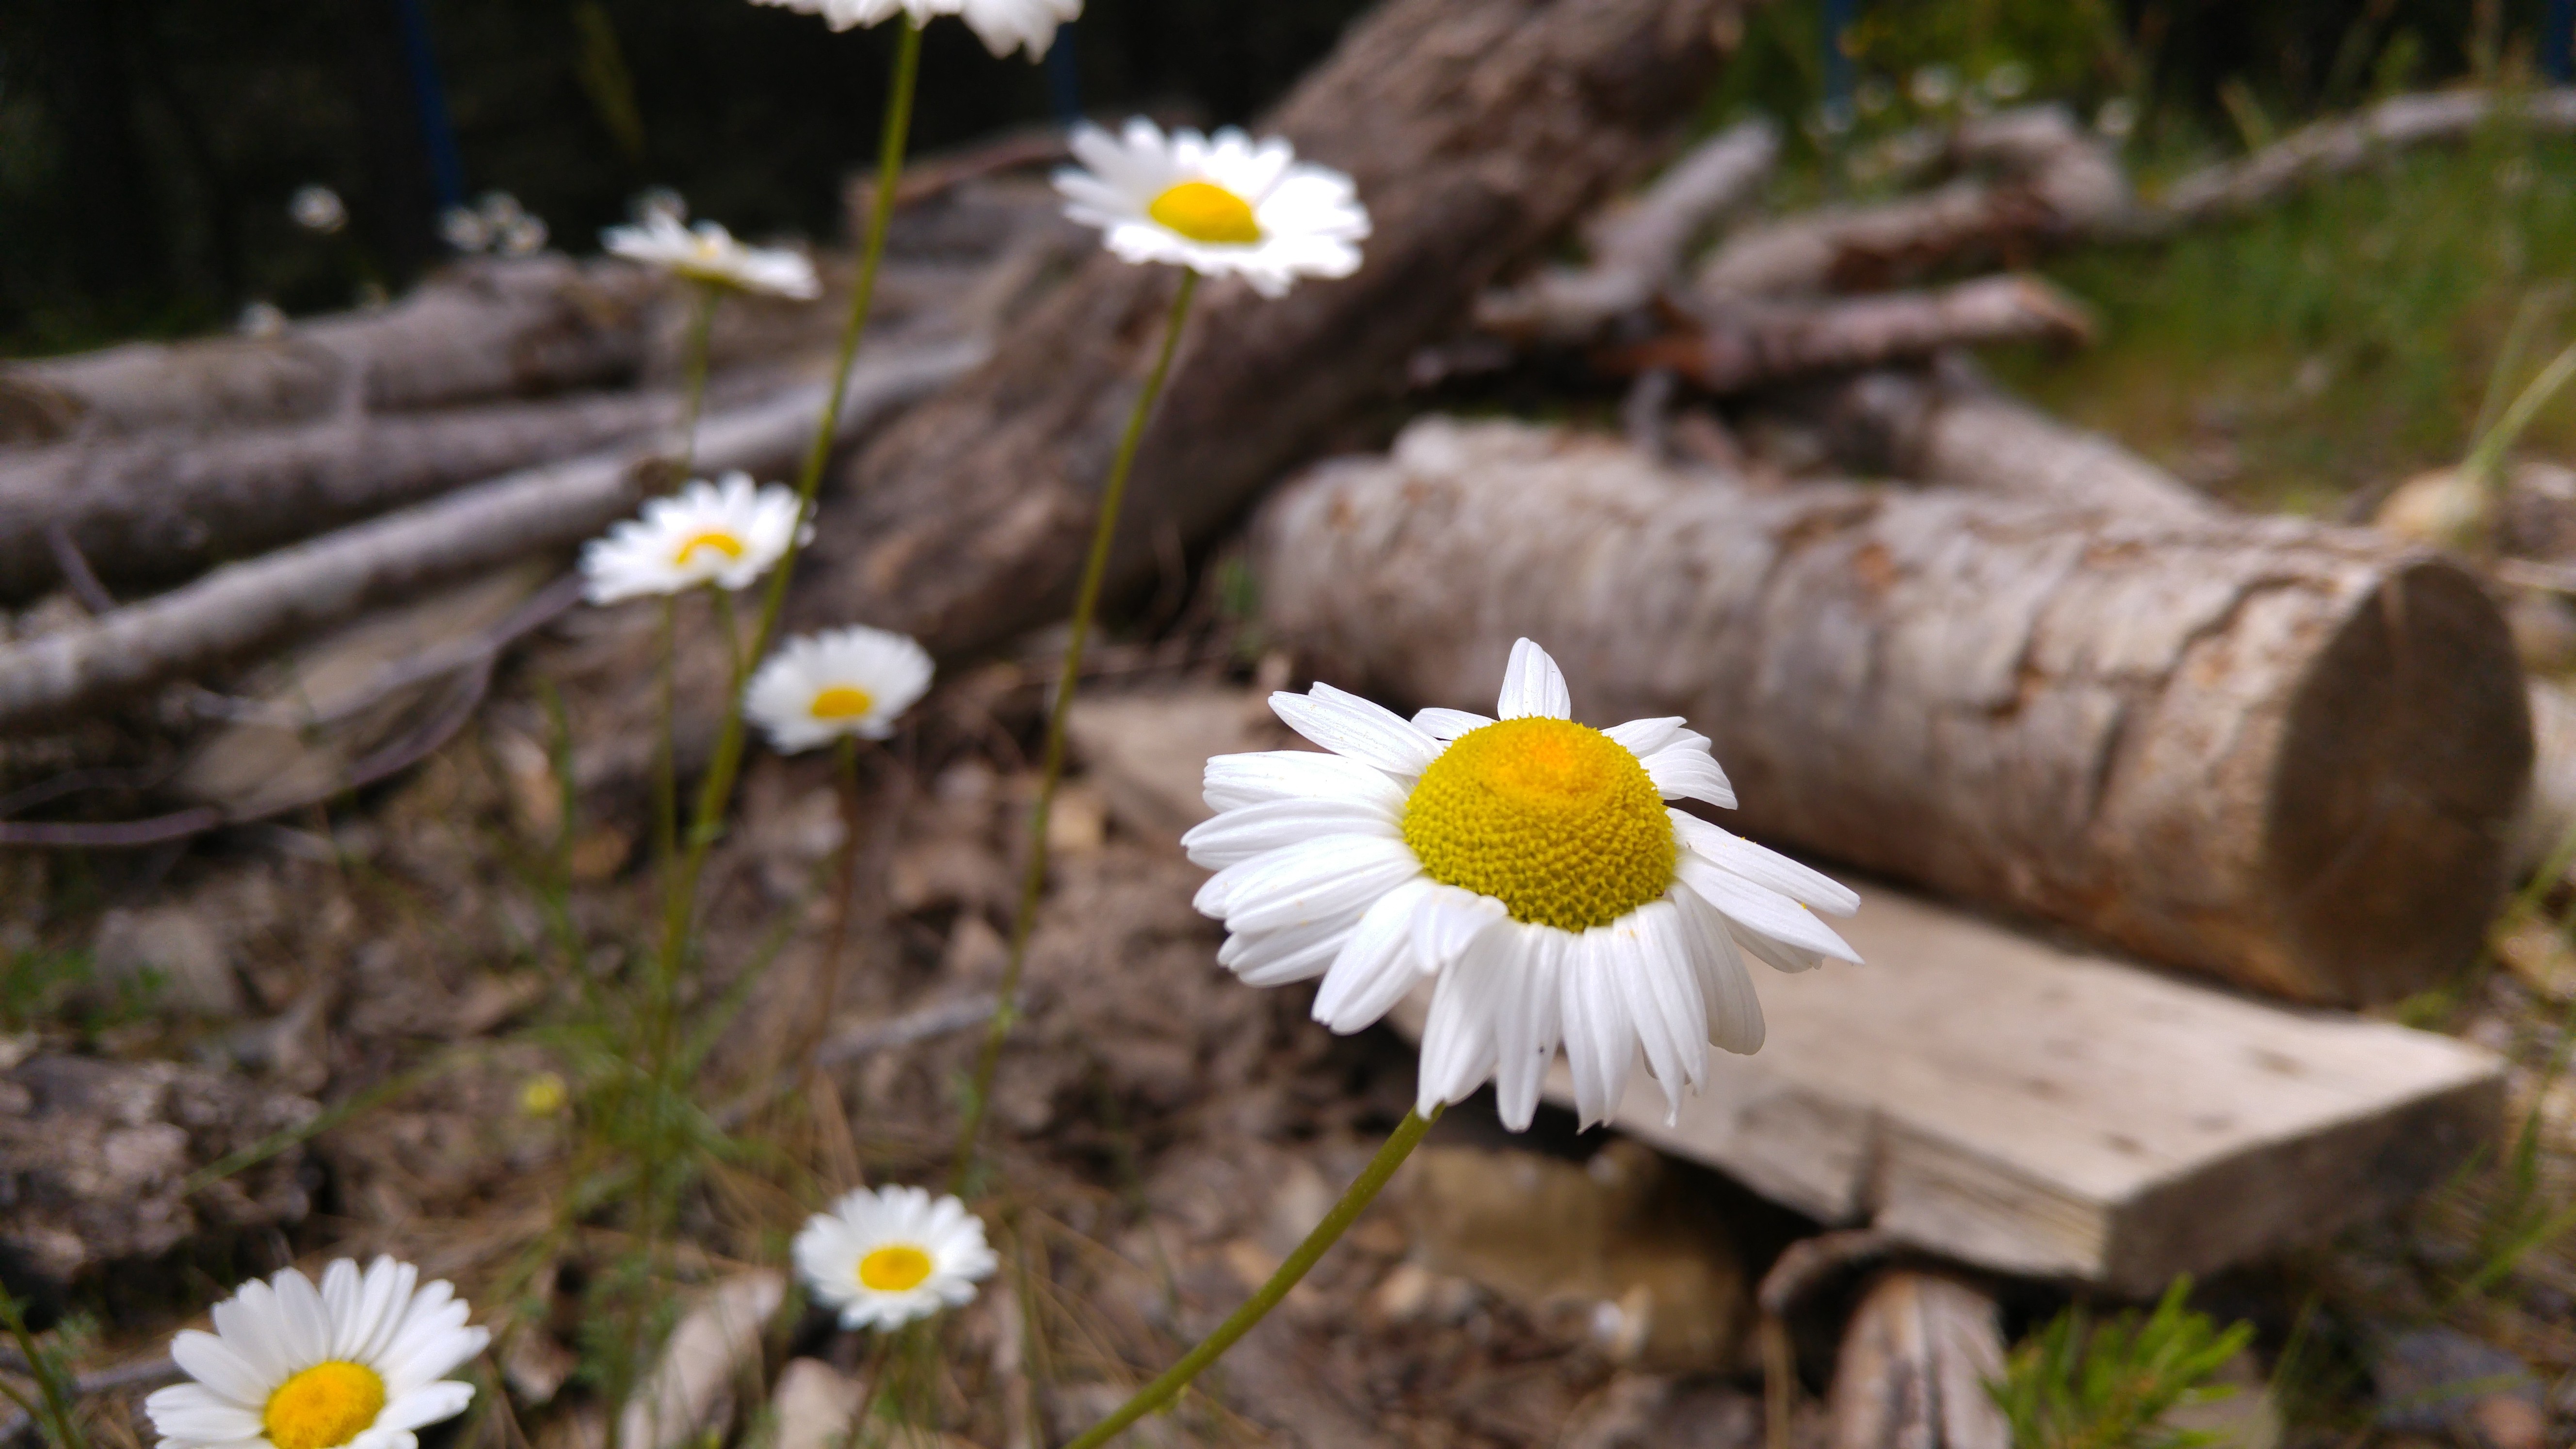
(1216, 205)
(821, 687)
(887, 1257)
(708, 253)
(1001, 24)
(1528, 865)
(361, 1361)
(723, 534)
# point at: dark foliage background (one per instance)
(148, 147)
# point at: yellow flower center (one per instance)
(714, 538)
(843, 701)
(894, 1268)
(1205, 212)
(1556, 820)
(324, 1407)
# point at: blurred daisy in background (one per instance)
(726, 534)
(1003, 25)
(708, 253)
(848, 683)
(1526, 864)
(885, 1257)
(362, 1361)
(1219, 205)
(318, 209)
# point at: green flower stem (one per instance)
(1355, 1200)
(702, 326)
(716, 791)
(845, 762)
(2484, 465)
(1086, 604)
(57, 1412)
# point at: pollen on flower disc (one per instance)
(894, 1268)
(1206, 212)
(716, 539)
(842, 701)
(1554, 819)
(324, 1407)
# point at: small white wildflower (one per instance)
(708, 253)
(823, 687)
(724, 534)
(1001, 24)
(887, 1257)
(1217, 204)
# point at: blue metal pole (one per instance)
(429, 102)
(2558, 42)
(1838, 18)
(1064, 77)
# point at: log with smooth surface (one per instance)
(2280, 753)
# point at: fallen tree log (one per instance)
(2056, 184)
(1476, 130)
(1951, 429)
(2277, 753)
(479, 330)
(1732, 346)
(298, 590)
(1916, 1359)
(160, 507)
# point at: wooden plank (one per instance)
(2004, 1101)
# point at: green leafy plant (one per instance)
(2077, 1384)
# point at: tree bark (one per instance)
(1477, 131)
(1915, 1362)
(2273, 752)
(149, 510)
(298, 590)
(2341, 147)
(1733, 346)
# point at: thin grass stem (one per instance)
(48, 1375)
(693, 405)
(1086, 606)
(827, 992)
(1355, 1200)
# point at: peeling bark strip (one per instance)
(1477, 130)
(1733, 346)
(2277, 753)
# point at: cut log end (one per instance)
(2407, 744)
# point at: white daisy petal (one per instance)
(1686, 772)
(1767, 868)
(1759, 909)
(1349, 725)
(1376, 965)
(1533, 687)
(1448, 920)
(1315, 880)
(1239, 835)
(1221, 206)
(1531, 1017)
(307, 1322)
(250, 1325)
(219, 1365)
(1734, 1011)
(1644, 737)
(1235, 781)
(1600, 1036)
(1652, 964)
(1448, 724)
(1459, 1036)
(1778, 955)
(436, 1403)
